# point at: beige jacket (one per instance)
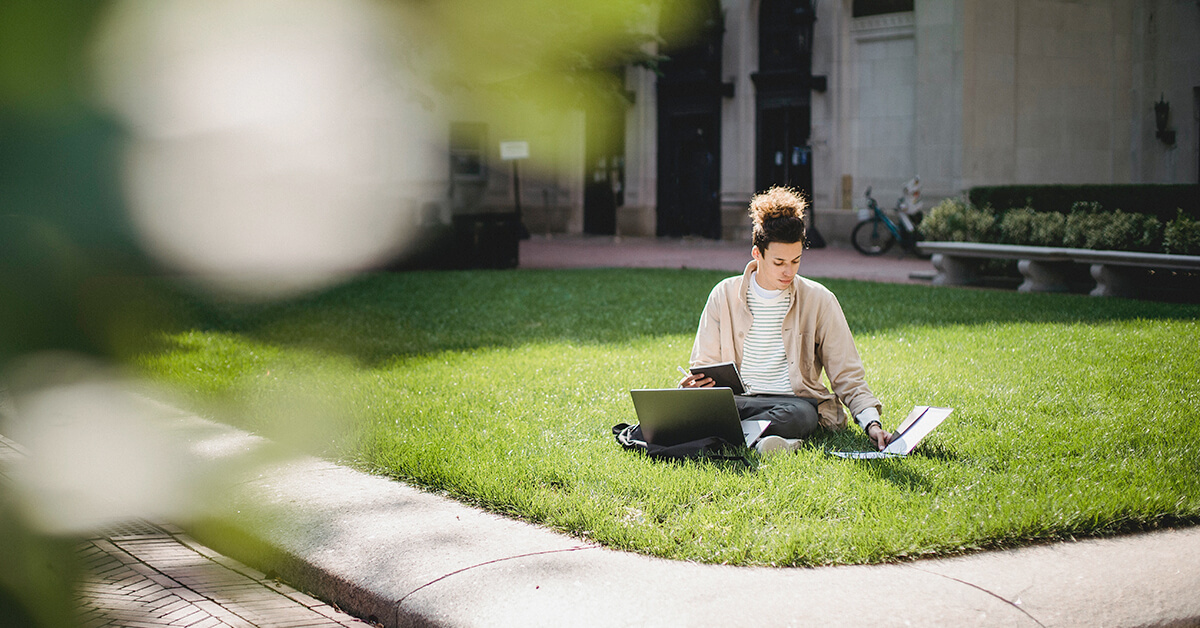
(815, 337)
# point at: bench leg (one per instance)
(1043, 276)
(952, 271)
(1113, 281)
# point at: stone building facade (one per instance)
(958, 92)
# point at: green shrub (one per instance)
(1016, 226)
(1048, 229)
(954, 220)
(1151, 239)
(1121, 232)
(1182, 236)
(1085, 224)
(1024, 226)
(1089, 227)
(1140, 198)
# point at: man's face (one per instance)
(778, 264)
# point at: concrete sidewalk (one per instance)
(399, 556)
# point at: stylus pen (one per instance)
(684, 371)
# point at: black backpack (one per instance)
(711, 448)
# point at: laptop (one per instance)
(671, 416)
(919, 423)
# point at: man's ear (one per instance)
(756, 254)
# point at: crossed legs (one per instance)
(791, 417)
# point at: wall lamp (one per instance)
(1162, 112)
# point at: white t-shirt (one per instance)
(764, 365)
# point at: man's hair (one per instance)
(778, 216)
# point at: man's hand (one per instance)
(697, 380)
(879, 436)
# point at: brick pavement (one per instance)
(142, 574)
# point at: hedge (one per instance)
(1158, 200)
(1087, 226)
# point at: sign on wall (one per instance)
(514, 150)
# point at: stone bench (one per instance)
(1047, 269)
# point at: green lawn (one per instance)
(1074, 415)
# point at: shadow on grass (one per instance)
(737, 461)
(385, 316)
(936, 451)
(896, 470)
(897, 473)
(893, 470)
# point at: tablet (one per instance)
(724, 374)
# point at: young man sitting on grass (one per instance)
(781, 330)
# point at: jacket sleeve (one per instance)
(706, 349)
(842, 362)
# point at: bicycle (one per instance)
(876, 233)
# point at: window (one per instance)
(785, 34)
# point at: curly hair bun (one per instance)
(777, 202)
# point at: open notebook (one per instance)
(915, 426)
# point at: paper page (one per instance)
(912, 416)
(931, 418)
(920, 422)
(865, 455)
(753, 428)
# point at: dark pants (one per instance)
(791, 417)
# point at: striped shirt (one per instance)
(764, 365)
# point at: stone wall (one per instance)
(958, 92)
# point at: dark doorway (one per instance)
(604, 168)
(689, 166)
(784, 156)
(783, 98)
(689, 120)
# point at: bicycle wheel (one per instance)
(870, 237)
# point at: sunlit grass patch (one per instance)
(1074, 415)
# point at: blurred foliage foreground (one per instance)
(251, 150)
